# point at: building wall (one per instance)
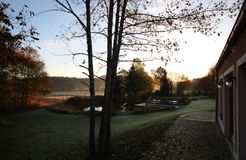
(241, 107)
(232, 100)
(236, 52)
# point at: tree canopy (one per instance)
(24, 78)
(182, 84)
(138, 80)
(23, 34)
(160, 75)
(22, 72)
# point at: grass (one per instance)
(132, 143)
(44, 135)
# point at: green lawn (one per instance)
(41, 134)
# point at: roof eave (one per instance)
(236, 31)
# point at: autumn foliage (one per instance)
(22, 73)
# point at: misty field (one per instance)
(41, 134)
(60, 97)
(83, 93)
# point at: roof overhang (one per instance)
(237, 29)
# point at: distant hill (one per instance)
(68, 84)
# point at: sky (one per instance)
(198, 54)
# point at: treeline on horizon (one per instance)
(73, 84)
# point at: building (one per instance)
(231, 88)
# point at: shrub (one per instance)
(76, 101)
(83, 102)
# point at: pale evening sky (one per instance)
(198, 54)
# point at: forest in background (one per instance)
(72, 84)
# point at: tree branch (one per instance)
(100, 78)
(94, 9)
(72, 12)
(94, 76)
(143, 60)
(92, 56)
(84, 67)
(86, 84)
(75, 54)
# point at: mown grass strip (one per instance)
(130, 144)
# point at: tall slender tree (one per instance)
(85, 23)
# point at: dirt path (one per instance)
(193, 136)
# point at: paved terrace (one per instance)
(194, 136)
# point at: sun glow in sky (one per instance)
(198, 54)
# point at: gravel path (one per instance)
(193, 136)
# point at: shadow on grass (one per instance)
(131, 144)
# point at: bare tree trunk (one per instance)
(112, 63)
(92, 146)
(104, 126)
(87, 28)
